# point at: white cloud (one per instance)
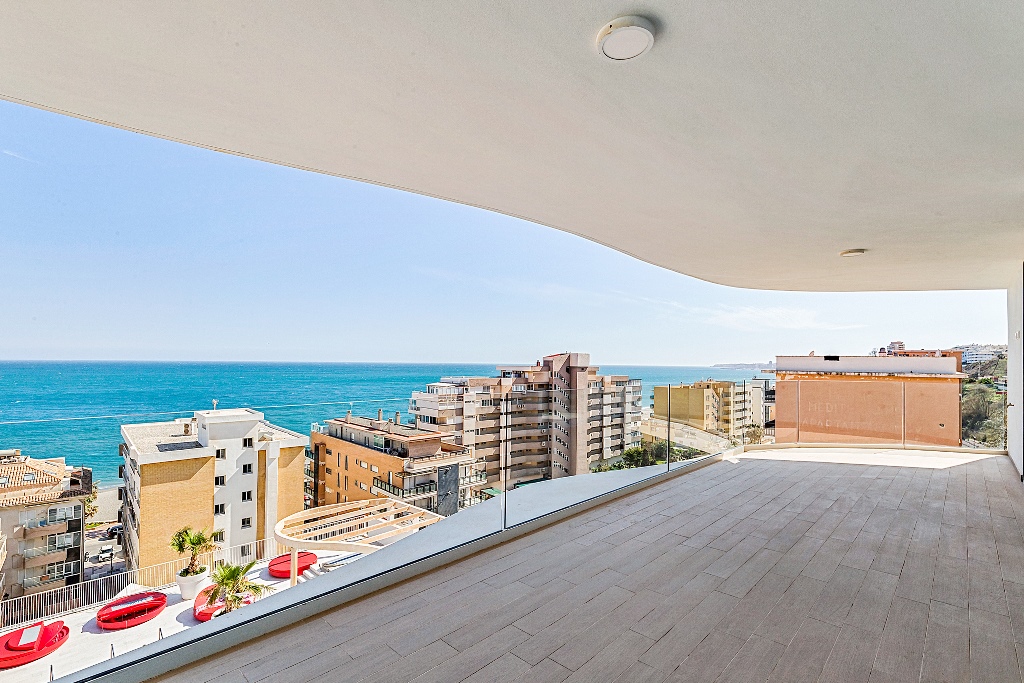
(18, 156)
(773, 317)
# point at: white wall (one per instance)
(1015, 369)
(944, 365)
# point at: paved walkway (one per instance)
(756, 569)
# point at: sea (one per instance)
(75, 409)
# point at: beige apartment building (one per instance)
(357, 458)
(42, 519)
(719, 407)
(893, 399)
(229, 472)
(556, 418)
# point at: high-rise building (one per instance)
(358, 458)
(42, 517)
(719, 407)
(229, 472)
(556, 418)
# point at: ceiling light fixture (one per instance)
(849, 253)
(625, 38)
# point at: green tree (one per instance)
(193, 542)
(89, 504)
(231, 585)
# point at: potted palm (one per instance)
(231, 587)
(194, 542)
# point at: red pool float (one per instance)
(281, 566)
(203, 612)
(31, 643)
(131, 610)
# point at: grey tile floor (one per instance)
(753, 570)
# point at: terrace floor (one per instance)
(805, 565)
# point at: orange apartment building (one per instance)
(904, 399)
(358, 458)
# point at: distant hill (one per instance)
(989, 368)
(745, 366)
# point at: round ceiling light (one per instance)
(625, 38)
(849, 253)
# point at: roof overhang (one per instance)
(754, 142)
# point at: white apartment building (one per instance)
(556, 418)
(979, 353)
(229, 472)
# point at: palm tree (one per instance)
(230, 584)
(196, 542)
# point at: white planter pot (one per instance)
(190, 585)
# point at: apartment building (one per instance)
(556, 418)
(358, 458)
(42, 512)
(227, 471)
(907, 400)
(719, 407)
(980, 353)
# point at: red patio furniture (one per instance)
(31, 643)
(281, 566)
(203, 612)
(131, 610)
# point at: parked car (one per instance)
(113, 531)
(105, 554)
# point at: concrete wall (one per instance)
(883, 410)
(1015, 370)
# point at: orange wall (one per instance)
(933, 413)
(850, 409)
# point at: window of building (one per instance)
(246, 496)
(362, 463)
(247, 469)
(246, 522)
(29, 476)
(346, 482)
(328, 470)
(222, 454)
(218, 481)
(218, 509)
(362, 486)
(328, 451)
(218, 537)
(373, 468)
(247, 442)
(246, 551)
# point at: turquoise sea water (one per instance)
(75, 409)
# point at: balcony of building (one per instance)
(430, 463)
(819, 564)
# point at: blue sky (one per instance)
(119, 246)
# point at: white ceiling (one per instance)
(755, 141)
